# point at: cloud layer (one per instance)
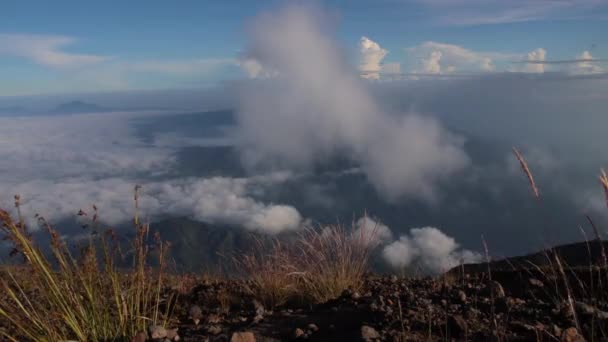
(316, 109)
(60, 164)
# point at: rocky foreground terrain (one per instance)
(518, 306)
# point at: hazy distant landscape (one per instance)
(101, 155)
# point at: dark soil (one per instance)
(514, 306)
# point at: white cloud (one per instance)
(437, 58)
(371, 58)
(400, 253)
(487, 12)
(89, 72)
(371, 231)
(586, 65)
(428, 248)
(431, 65)
(214, 200)
(60, 164)
(536, 57)
(254, 69)
(317, 109)
(45, 50)
(98, 145)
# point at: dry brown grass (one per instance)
(593, 291)
(318, 266)
(331, 260)
(85, 298)
(269, 268)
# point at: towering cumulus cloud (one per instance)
(371, 58)
(316, 108)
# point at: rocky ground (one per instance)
(469, 307)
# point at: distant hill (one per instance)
(573, 255)
(75, 107)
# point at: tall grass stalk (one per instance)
(85, 298)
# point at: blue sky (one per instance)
(76, 46)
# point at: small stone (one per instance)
(257, 319)
(497, 289)
(355, 295)
(157, 332)
(172, 334)
(557, 331)
(368, 333)
(457, 326)
(313, 327)
(244, 336)
(571, 335)
(195, 313)
(140, 337)
(298, 333)
(259, 307)
(213, 319)
(214, 330)
(462, 297)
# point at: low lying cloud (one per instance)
(213, 200)
(61, 164)
(425, 249)
(428, 248)
(317, 109)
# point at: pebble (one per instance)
(245, 336)
(157, 332)
(368, 333)
(298, 333)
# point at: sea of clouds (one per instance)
(307, 106)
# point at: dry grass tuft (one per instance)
(318, 266)
(269, 269)
(85, 298)
(332, 260)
